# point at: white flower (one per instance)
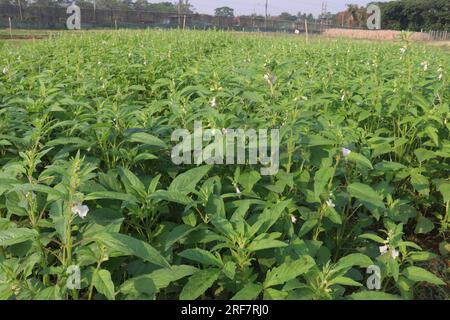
(384, 249)
(5, 70)
(213, 102)
(403, 50)
(81, 210)
(32, 194)
(270, 78)
(330, 203)
(346, 152)
(424, 65)
(224, 131)
(293, 219)
(394, 253)
(297, 31)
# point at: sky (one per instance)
(242, 7)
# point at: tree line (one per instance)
(414, 15)
(182, 6)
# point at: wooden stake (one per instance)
(10, 27)
(306, 29)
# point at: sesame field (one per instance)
(94, 207)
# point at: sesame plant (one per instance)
(87, 182)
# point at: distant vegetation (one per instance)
(415, 15)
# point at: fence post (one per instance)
(10, 27)
(306, 29)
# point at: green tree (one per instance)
(415, 15)
(226, 12)
(287, 16)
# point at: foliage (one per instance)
(415, 15)
(85, 123)
(226, 12)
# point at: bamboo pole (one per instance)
(306, 29)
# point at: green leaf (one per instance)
(147, 139)
(66, 141)
(333, 215)
(433, 134)
(186, 182)
(372, 237)
(273, 294)
(170, 196)
(123, 245)
(389, 166)
(202, 256)
(444, 189)
(28, 187)
(424, 154)
(424, 225)
(215, 205)
(345, 281)
(229, 269)
(359, 159)
(262, 244)
(365, 194)
(198, 283)
(321, 179)
(110, 195)
(103, 283)
(50, 293)
(16, 235)
(418, 274)
(268, 218)
(373, 295)
(253, 96)
(421, 256)
(288, 271)
(316, 140)
(307, 227)
(223, 226)
(178, 233)
(131, 182)
(251, 291)
(159, 279)
(444, 248)
(420, 183)
(351, 260)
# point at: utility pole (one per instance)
(180, 2)
(265, 20)
(20, 9)
(95, 11)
